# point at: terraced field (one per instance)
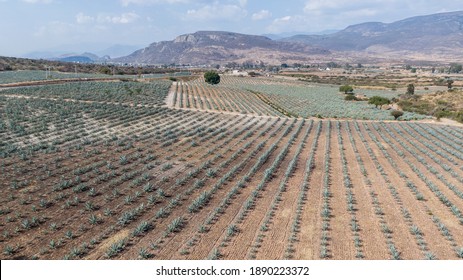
(112, 175)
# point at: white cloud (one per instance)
(126, 3)
(285, 19)
(319, 15)
(217, 11)
(289, 23)
(315, 5)
(124, 18)
(264, 14)
(82, 19)
(334, 6)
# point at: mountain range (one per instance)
(83, 53)
(423, 33)
(211, 47)
(437, 37)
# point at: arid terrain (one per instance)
(252, 168)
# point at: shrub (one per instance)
(378, 101)
(212, 77)
(346, 89)
(411, 89)
(397, 114)
(351, 97)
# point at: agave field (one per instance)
(273, 97)
(199, 95)
(102, 92)
(10, 77)
(143, 171)
(7, 77)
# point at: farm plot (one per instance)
(8, 77)
(106, 171)
(86, 178)
(278, 97)
(110, 92)
(323, 100)
(199, 95)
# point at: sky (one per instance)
(41, 25)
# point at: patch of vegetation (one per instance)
(212, 77)
(13, 64)
(347, 89)
(440, 104)
(378, 101)
(351, 97)
(397, 114)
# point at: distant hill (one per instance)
(209, 47)
(428, 34)
(91, 56)
(77, 59)
(81, 58)
(437, 37)
(117, 51)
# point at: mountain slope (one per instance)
(422, 34)
(437, 37)
(209, 47)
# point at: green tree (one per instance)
(397, 114)
(411, 89)
(212, 77)
(105, 70)
(350, 97)
(455, 68)
(449, 84)
(346, 89)
(378, 101)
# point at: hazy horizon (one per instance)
(45, 25)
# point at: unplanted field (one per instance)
(115, 181)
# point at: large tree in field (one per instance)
(346, 89)
(212, 77)
(378, 101)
